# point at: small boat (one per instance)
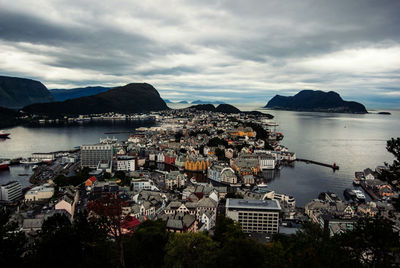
(4, 135)
(359, 195)
(356, 181)
(349, 194)
(4, 164)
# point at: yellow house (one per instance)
(196, 164)
(248, 131)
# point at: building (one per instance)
(45, 157)
(170, 158)
(10, 191)
(196, 164)
(126, 163)
(266, 161)
(91, 155)
(222, 173)
(175, 178)
(261, 216)
(40, 193)
(143, 184)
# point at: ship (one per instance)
(359, 195)
(4, 135)
(356, 181)
(4, 164)
(30, 161)
(349, 194)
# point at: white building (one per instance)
(10, 191)
(126, 163)
(44, 156)
(221, 173)
(261, 216)
(143, 184)
(40, 193)
(266, 161)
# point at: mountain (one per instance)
(167, 101)
(131, 98)
(315, 101)
(73, 93)
(7, 117)
(183, 102)
(227, 108)
(207, 102)
(222, 108)
(18, 92)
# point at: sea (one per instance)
(352, 141)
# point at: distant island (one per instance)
(385, 113)
(207, 102)
(315, 101)
(73, 93)
(131, 98)
(18, 92)
(226, 109)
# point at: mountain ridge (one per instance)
(131, 98)
(16, 92)
(315, 101)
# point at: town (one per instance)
(189, 168)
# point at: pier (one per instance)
(333, 166)
(368, 191)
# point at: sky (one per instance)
(234, 51)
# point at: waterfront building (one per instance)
(196, 163)
(261, 216)
(11, 191)
(126, 163)
(91, 155)
(221, 173)
(266, 161)
(248, 131)
(174, 178)
(46, 157)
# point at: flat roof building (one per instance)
(91, 155)
(260, 216)
(11, 191)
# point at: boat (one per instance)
(108, 140)
(4, 135)
(30, 161)
(261, 188)
(359, 195)
(356, 181)
(349, 194)
(4, 164)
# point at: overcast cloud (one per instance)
(236, 51)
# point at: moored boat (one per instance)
(30, 161)
(4, 164)
(4, 135)
(359, 195)
(356, 181)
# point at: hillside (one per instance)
(73, 93)
(7, 117)
(131, 98)
(18, 92)
(315, 101)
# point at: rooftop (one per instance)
(253, 204)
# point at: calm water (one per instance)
(354, 142)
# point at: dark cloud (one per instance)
(237, 50)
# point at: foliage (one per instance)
(12, 241)
(194, 133)
(190, 250)
(215, 142)
(81, 177)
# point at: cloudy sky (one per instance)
(236, 51)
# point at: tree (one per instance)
(373, 241)
(106, 212)
(146, 247)
(12, 241)
(190, 250)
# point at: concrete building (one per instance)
(126, 163)
(266, 161)
(10, 191)
(39, 193)
(91, 155)
(261, 216)
(143, 184)
(174, 178)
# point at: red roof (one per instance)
(129, 222)
(92, 179)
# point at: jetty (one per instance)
(369, 191)
(332, 166)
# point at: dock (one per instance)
(368, 191)
(333, 166)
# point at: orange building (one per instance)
(196, 164)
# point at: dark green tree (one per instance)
(12, 241)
